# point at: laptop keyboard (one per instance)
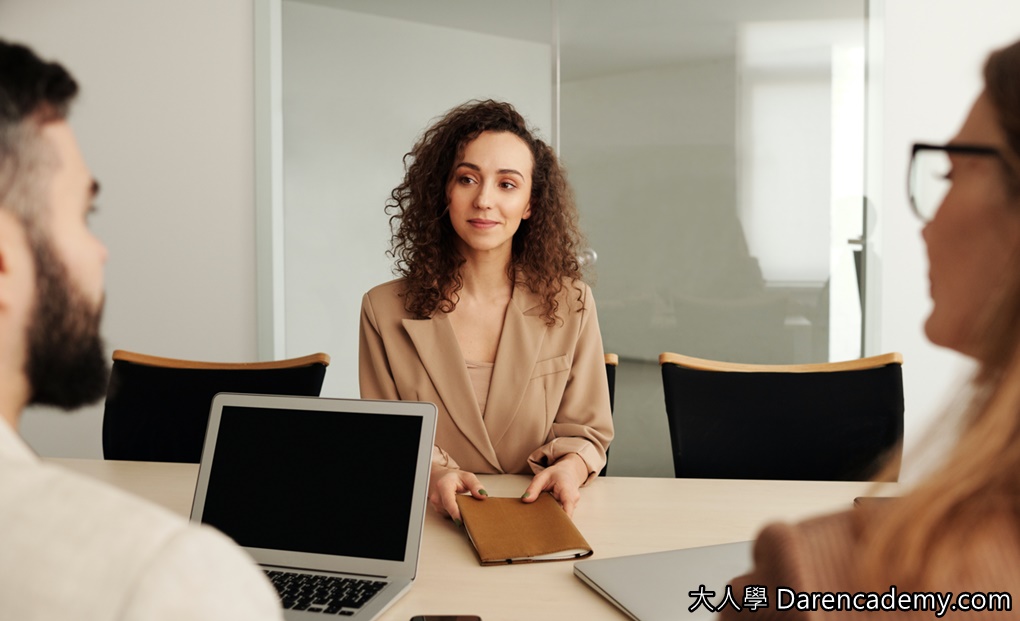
(330, 595)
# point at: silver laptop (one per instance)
(327, 495)
(659, 585)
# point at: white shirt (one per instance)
(75, 548)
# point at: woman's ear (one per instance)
(527, 212)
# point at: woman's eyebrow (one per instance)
(501, 171)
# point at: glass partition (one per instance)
(716, 150)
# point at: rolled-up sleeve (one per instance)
(584, 420)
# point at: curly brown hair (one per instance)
(545, 247)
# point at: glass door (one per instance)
(717, 153)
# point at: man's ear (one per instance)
(16, 267)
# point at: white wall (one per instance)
(165, 121)
(933, 51)
(347, 125)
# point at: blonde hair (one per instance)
(924, 536)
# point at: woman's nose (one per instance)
(484, 198)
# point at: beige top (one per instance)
(548, 394)
(480, 374)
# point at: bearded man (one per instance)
(71, 547)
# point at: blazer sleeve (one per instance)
(776, 563)
(374, 375)
(816, 555)
(584, 421)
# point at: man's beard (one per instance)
(66, 360)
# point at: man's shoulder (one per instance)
(52, 509)
(104, 547)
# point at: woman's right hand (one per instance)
(446, 483)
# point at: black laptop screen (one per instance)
(337, 483)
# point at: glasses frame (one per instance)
(960, 149)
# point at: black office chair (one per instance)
(157, 409)
(612, 360)
(831, 421)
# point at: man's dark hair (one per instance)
(65, 364)
(32, 92)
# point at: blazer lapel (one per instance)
(519, 346)
(440, 355)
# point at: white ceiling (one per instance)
(600, 37)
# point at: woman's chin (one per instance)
(945, 336)
(936, 331)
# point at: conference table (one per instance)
(617, 515)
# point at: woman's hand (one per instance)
(446, 483)
(563, 479)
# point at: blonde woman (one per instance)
(957, 535)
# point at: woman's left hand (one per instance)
(563, 480)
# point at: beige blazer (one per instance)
(548, 396)
(819, 555)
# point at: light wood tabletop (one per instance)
(617, 515)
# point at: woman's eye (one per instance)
(508, 185)
(465, 180)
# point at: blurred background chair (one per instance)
(829, 421)
(157, 409)
(612, 360)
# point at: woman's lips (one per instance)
(482, 224)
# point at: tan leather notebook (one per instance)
(506, 530)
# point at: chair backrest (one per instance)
(157, 409)
(829, 421)
(612, 360)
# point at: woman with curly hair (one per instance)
(490, 319)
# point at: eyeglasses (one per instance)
(928, 177)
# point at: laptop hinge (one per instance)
(305, 570)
